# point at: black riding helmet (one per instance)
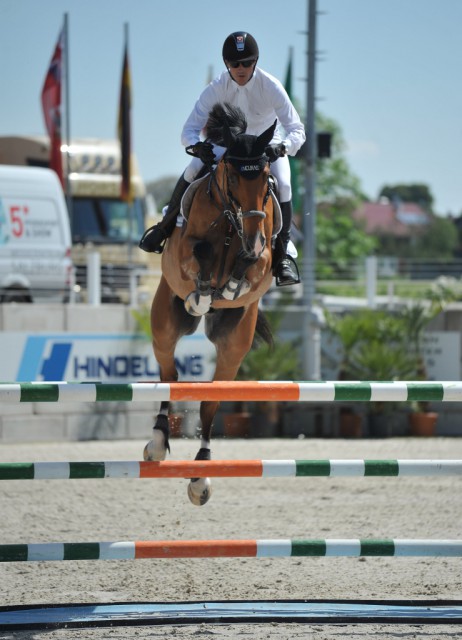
(240, 45)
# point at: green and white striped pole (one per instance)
(228, 468)
(137, 550)
(17, 392)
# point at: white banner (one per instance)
(440, 350)
(85, 357)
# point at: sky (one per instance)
(388, 73)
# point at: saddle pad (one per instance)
(188, 197)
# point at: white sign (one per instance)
(85, 357)
(441, 352)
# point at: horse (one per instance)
(218, 265)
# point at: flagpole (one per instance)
(130, 203)
(67, 118)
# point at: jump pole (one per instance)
(57, 551)
(17, 392)
(227, 469)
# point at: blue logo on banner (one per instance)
(54, 367)
(34, 366)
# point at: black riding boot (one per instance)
(154, 238)
(286, 269)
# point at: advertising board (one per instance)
(86, 357)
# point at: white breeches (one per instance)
(280, 170)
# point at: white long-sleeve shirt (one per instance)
(262, 99)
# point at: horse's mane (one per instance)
(221, 116)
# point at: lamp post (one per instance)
(311, 326)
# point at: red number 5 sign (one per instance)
(17, 220)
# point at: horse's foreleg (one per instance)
(232, 346)
(156, 449)
(237, 284)
(232, 332)
(169, 321)
(198, 302)
(200, 489)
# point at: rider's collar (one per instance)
(241, 86)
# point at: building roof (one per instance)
(402, 219)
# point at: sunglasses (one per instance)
(245, 63)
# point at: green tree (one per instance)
(440, 240)
(417, 192)
(340, 240)
(334, 178)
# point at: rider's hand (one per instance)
(204, 151)
(275, 151)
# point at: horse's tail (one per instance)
(221, 115)
(263, 329)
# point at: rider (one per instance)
(262, 98)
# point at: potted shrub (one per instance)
(382, 359)
(374, 349)
(422, 420)
(281, 361)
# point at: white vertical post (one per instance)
(94, 278)
(371, 281)
(133, 282)
(72, 283)
(391, 294)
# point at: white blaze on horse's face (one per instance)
(253, 232)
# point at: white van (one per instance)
(35, 237)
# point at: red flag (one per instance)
(51, 105)
(124, 130)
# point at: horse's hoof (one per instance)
(199, 491)
(197, 304)
(155, 449)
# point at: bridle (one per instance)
(229, 206)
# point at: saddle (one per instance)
(188, 197)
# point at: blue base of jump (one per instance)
(233, 612)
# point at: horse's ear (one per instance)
(228, 136)
(265, 138)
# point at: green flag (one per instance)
(294, 168)
(288, 82)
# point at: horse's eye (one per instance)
(233, 179)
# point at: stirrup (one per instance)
(150, 243)
(297, 280)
